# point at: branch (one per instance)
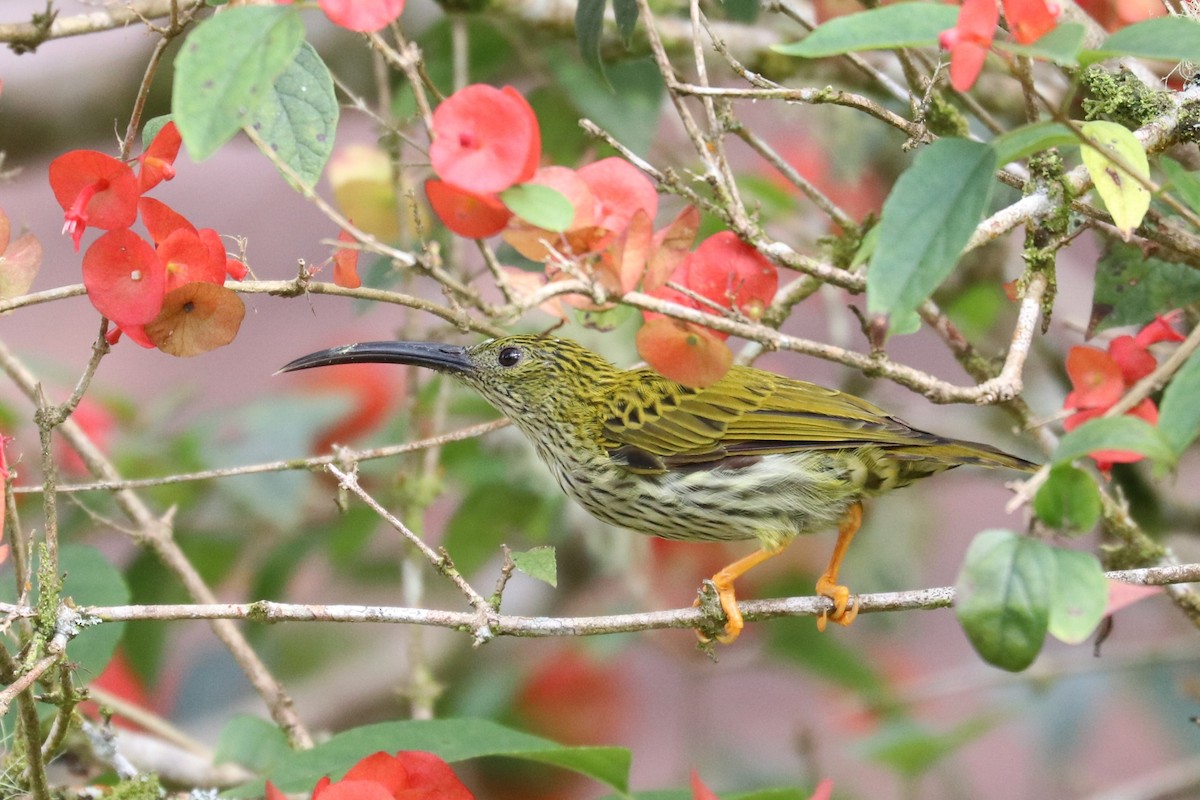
(509, 625)
(29, 35)
(342, 455)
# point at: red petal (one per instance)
(353, 790)
(620, 190)
(124, 278)
(683, 352)
(1030, 20)
(345, 264)
(431, 774)
(381, 768)
(94, 189)
(467, 214)
(699, 790)
(733, 274)
(362, 15)
(1160, 330)
(1096, 377)
(158, 162)
(161, 220)
(1133, 359)
(188, 259)
(484, 139)
(968, 41)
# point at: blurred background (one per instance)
(897, 706)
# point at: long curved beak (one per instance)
(434, 355)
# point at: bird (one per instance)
(753, 456)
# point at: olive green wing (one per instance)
(654, 425)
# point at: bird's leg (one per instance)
(723, 581)
(827, 585)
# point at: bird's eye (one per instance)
(509, 356)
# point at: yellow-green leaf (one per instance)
(1123, 194)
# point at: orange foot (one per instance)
(843, 612)
(723, 581)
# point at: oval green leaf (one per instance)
(1179, 415)
(1061, 45)
(540, 206)
(1026, 140)
(1183, 182)
(927, 219)
(1069, 500)
(885, 28)
(1126, 199)
(298, 117)
(225, 71)
(1115, 433)
(538, 563)
(1161, 39)
(1079, 596)
(451, 740)
(1003, 600)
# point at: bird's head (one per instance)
(519, 375)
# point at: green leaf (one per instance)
(1115, 433)
(911, 749)
(799, 641)
(450, 739)
(1079, 596)
(1179, 413)
(1186, 184)
(252, 742)
(538, 563)
(589, 30)
(152, 127)
(626, 14)
(540, 206)
(1161, 39)
(1126, 199)
(1131, 288)
(927, 219)
(298, 117)
(1003, 599)
(493, 513)
(1026, 140)
(1061, 45)
(628, 102)
(226, 69)
(885, 28)
(1068, 500)
(92, 580)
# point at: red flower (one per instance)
(362, 15)
(475, 216)
(1106, 458)
(158, 162)
(93, 189)
(968, 41)
(187, 258)
(1099, 378)
(485, 139)
(1030, 20)
(408, 775)
(620, 189)
(1096, 378)
(345, 264)
(1160, 330)
(124, 278)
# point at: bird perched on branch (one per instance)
(753, 456)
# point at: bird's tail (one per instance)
(955, 452)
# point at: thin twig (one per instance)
(509, 625)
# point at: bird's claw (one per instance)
(843, 612)
(717, 602)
